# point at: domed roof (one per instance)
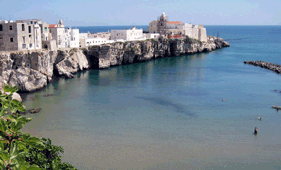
(60, 22)
(163, 14)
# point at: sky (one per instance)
(132, 12)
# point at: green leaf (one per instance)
(14, 110)
(22, 109)
(18, 126)
(16, 102)
(33, 167)
(14, 149)
(14, 89)
(3, 125)
(7, 88)
(4, 155)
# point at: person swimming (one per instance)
(256, 131)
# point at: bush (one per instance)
(21, 151)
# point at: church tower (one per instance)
(162, 24)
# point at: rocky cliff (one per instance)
(105, 56)
(33, 70)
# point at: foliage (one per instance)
(16, 147)
(49, 158)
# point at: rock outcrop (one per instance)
(70, 62)
(30, 71)
(109, 55)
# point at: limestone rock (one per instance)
(27, 79)
(69, 63)
(32, 70)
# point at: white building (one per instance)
(165, 27)
(65, 38)
(20, 35)
(87, 39)
(127, 35)
(151, 35)
(72, 36)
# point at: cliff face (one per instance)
(105, 56)
(33, 70)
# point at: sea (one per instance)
(194, 111)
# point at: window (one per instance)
(22, 27)
(29, 29)
(23, 46)
(23, 39)
(1, 39)
(29, 36)
(11, 27)
(30, 45)
(46, 29)
(1, 27)
(11, 39)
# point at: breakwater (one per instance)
(30, 71)
(270, 66)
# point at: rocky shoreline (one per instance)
(270, 66)
(32, 70)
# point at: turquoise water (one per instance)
(168, 113)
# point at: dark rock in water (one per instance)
(36, 110)
(47, 95)
(30, 98)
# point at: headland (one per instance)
(33, 70)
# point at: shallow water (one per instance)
(168, 113)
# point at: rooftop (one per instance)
(52, 25)
(174, 22)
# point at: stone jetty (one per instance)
(270, 66)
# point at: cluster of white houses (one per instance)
(33, 34)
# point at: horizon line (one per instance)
(148, 25)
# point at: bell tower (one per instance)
(162, 24)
